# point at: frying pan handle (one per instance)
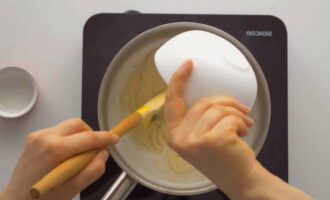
(121, 188)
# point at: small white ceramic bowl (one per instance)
(18, 92)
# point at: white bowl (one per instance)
(18, 92)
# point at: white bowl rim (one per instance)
(32, 100)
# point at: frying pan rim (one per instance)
(185, 26)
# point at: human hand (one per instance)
(208, 134)
(47, 148)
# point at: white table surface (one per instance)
(45, 37)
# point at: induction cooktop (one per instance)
(265, 37)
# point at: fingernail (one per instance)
(187, 63)
(115, 138)
(245, 108)
(251, 121)
(105, 155)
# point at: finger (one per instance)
(242, 127)
(37, 134)
(233, 111)
(70, 126)
(210, 118)
(174, 104)
(85, 141)
(88, 175)
(228, 101)
(216, 113)
(231, 124)
(195, 113)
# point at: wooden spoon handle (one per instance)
(75, 164)
(126, 124)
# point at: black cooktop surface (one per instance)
(264, 36)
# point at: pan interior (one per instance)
(147, 167)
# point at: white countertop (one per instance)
(45, 37)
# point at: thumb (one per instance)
(174, 105)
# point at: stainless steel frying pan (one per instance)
(138, 164)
